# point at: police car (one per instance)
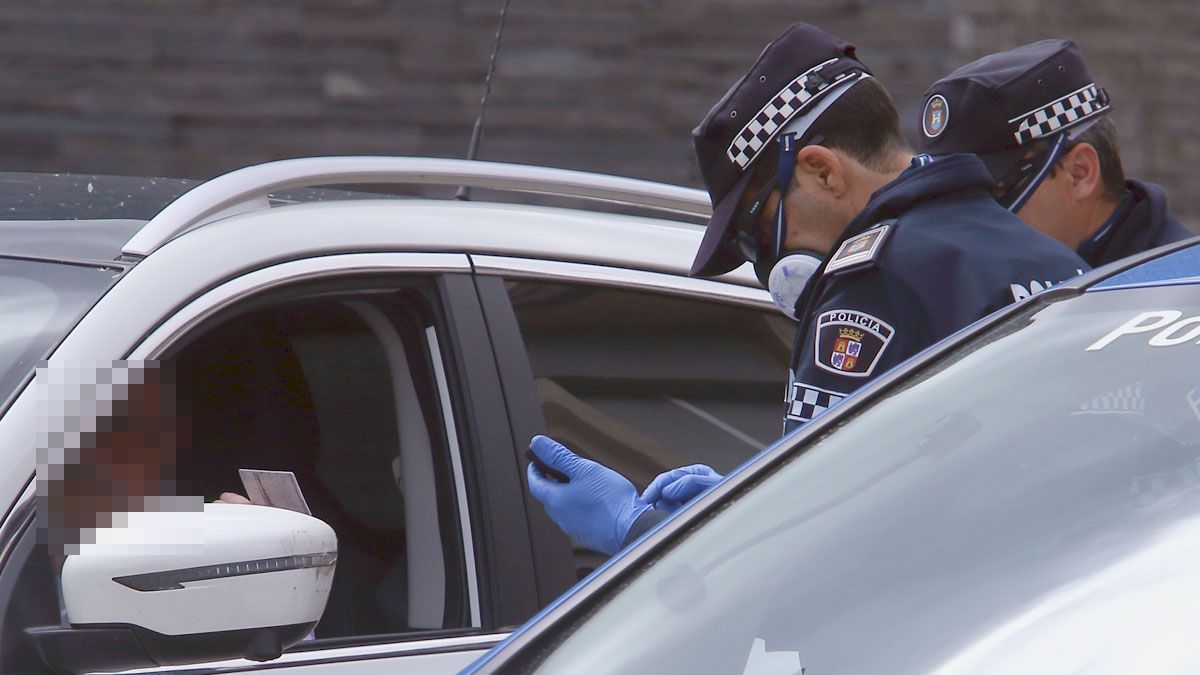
(1023, 497)
(395, 354)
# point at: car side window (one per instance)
(341, 388)
(645, 381)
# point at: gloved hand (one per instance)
(670, 490)
(597, 507)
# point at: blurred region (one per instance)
(108, 439)
(193, 88)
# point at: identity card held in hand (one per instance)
(274, 488)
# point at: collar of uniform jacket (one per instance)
(921, 181)
(1139, 223)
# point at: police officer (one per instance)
(1041, 125)
(875, 252)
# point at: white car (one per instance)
(396, 355)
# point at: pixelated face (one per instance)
(108, 441)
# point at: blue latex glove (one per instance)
(670, 490)
(596, 508)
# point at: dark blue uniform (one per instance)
(1139, 223)
(931, 253)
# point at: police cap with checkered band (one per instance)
(998, 105)
(787, 84)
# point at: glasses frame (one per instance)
(1009, 190)
(750, 240)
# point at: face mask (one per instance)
(789, 276)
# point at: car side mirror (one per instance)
(257, 584)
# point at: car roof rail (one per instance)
(246, 189)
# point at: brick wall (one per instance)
(193, 88)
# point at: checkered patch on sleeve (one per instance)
(777, 112)
(805, 401)
(1066, 111)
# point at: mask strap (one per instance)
(783, 178)
(1051, 157)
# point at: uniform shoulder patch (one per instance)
(861, 250)
(850, 342)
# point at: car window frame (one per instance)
(552, 548)
(451, 275)
(616, 277)
(552, 555)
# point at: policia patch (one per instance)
(850, 342)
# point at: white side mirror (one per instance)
(258, 584)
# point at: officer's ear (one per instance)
(1082, 166)
(822, 167)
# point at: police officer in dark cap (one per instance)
(1041, 125)
(875, 252)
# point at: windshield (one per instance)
(39, 302)
(1027, 505)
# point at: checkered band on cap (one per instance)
(776, 113)
(1064, 112)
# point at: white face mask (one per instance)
(789, 276)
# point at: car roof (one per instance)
(476, 228)
(78, 216)
(62, 196)
(97, 218)
(67, 216)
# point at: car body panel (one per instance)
(421, 657)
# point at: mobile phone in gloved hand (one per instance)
(556, 476)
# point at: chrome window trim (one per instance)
(317, 656)
(456, 464)
(643, 280)
(197, 310)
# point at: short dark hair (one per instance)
(864, 124)
(1102, 136)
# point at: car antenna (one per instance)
(464, 192)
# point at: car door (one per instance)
(642, 371)
(370, 377)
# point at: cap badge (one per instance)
(936, 117)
